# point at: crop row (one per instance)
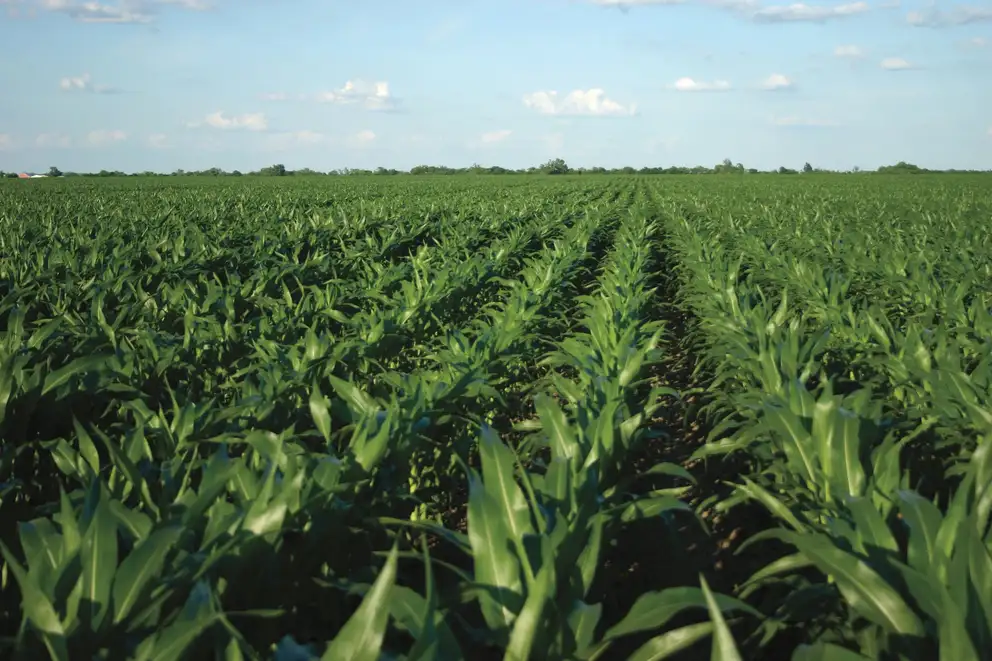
(365, 421)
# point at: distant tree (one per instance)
(807, 168)
(54, 172)
(278, 170)
(11, 175)
(728, 166)
(902, 167)
(555, 166)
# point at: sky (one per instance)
(161, 85)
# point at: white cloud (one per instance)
(849, 50)
(248, 122)
(686, 84)
(961, 15)
(624, 4)
(195, 5)
(123, 11)
(6, 141)
(365, 137)
(308, 137)
(158, 141)
(83, 83)
(803, 122)
(592, 102)
(274, 96)
(977, 42)
(371, 96)
(895, 64)
(96, 12)
(104, 137)
(13, 10)
(799, 11)
(778, 81)
(789, 13)
(52, 141)
(493, 137)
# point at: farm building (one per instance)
(31, 175)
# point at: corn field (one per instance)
(583, 418)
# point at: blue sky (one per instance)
(240, 84)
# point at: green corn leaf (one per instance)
(784, 565)
(774, 505)
(555, 425)
(123, 464)
(42, 544)
(38, 609)
(525, 639)
(590, 557)
(870, 526)
(649, 507)
(361, 637)
(143, 564)
(955, 641)
(924, 521)
(671, 470)
(724, 647)
(357, 399)
(582, 621)
(98, 554)
(862, 587)
(196, 617)
(498, 476)
(320, 412)
(844, 455)
(826, 652)
(87, 449)
(494, 558)
(654, 609)
(670, 643)
(80, 365)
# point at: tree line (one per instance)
(556, 166)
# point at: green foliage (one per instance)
(305, 418)
(555, 166)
